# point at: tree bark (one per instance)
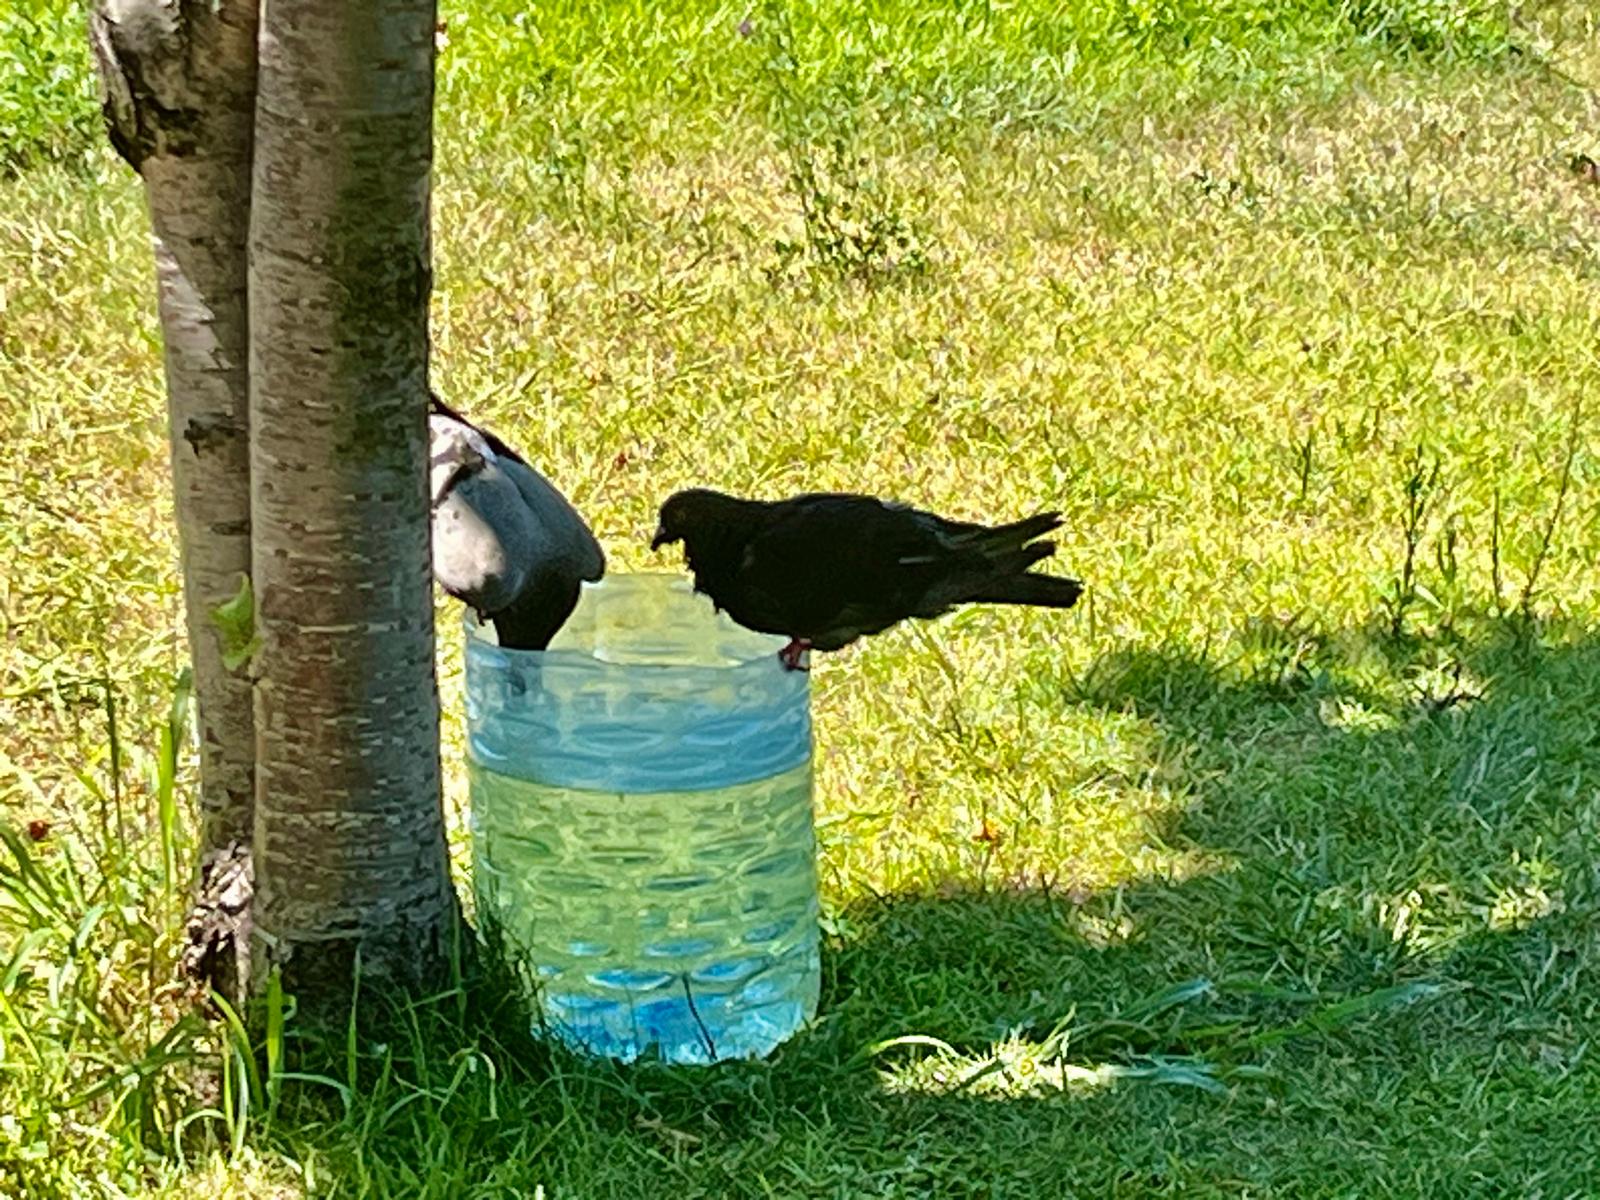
(178, 93)
(349, 836)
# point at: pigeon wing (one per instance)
(570, 539)
(484, 539)
(832, 568)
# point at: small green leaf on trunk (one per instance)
(236, 620)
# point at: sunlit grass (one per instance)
(1215, 885)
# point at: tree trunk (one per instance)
(349, 835)
(178, 93)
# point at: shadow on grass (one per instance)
(1389, 988)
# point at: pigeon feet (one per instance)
(791, 656)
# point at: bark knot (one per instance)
(149, 98)
(216, 954)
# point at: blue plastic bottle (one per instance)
(642, 827)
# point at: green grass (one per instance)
(1263, 872)
(48, 103)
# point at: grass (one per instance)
(1267, 871)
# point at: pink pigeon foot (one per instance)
(791, 654)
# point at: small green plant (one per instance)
(853, 223)
(94, 1031)
(1449, 594)
(1548, 533)
(235, 619)
(1466, 28)
(1422, 478)
(1305, 458)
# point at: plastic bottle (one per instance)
(642, 825)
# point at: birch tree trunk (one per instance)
(349, 839)
(178, 93)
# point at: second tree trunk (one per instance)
(349, 840)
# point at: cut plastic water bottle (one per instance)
(642, 826)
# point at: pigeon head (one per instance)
(689, 515)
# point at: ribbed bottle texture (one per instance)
(642, 825)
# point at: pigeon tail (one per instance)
(1001, 543)
(1046, 591)
(1015, 533)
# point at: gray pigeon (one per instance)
(505, 542)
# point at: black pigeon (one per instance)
(827, 568)
(505, 541)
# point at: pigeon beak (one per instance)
(660, 538)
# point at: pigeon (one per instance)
(826, 568)
(505, 542)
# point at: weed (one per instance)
(1422, 477)
(851, 219)
(851, 225)
(1548, 532)
(95, 1038)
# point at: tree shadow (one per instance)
(1380, 803)
(1386, 986)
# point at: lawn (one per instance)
(1270, 870)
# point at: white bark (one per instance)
(178, 91)
(349, 839)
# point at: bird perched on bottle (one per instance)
(824, 569)
(505, 541)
